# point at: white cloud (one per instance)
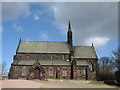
(89, 20)
(44, 36)
(93, 21)
(99, 42)
(36, 17)
(14, 10)
(0, 11)
(18, 28)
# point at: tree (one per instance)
(104, 63)
(106, 72)
(3, 68)
(115, 59)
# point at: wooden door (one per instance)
(57, 74)
(36, 74)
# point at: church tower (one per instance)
(71, 56)
(69, 35)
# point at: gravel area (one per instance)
(50, 84)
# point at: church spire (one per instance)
(69, 26)
(69, 34)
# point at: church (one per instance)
(54, 59)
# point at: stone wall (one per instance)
(17, 71)
(79, 71)
(57, 72)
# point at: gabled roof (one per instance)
(55, 47)
(43, 47)
(84, 52)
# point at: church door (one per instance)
(36, 74)
(57, 74)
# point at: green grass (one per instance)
(104, 84)
(70, 79)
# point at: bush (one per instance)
(117, 76)
(110, 82)
(107, 76)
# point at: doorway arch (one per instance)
(37, 73)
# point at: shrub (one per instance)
(107, 76)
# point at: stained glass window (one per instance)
(50, 72)
(24, 71)
(78, 71)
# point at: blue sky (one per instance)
(91, 23)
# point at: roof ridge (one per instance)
(45, 41)
(44, 59)
(81, 46)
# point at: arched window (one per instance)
(84, 72)
(51, 57)
(27, 56)
(78, 71)
(91, 67)
(24, 71)
(63, 57)
(51, 72)
(64, 72)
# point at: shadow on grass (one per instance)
(102, 83)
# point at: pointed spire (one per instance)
(69, 26)
(69, 34)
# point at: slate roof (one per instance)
(43, 47)
(55, 47)
(84, 52)
(48, 62)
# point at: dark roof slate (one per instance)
(56, 47)
(48, 62)
(84, 52)
(43, 47)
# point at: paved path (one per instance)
(48, 84)
(69, 84)
(0, 84)
(20, 84)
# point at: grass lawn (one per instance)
(104, 84)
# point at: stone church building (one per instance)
(53, 59)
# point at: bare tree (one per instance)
(115, 59)
(106, 71)
(3, 68)
(104, 63)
